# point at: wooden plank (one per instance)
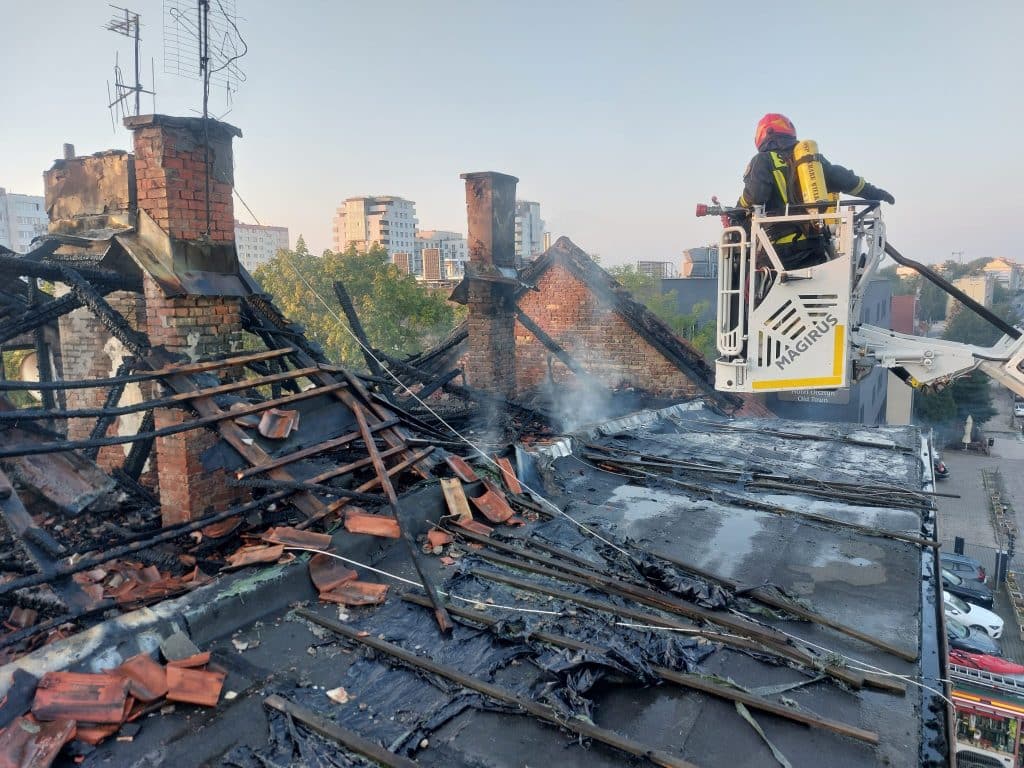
(538, 710)
(455, 497)
(443, 620)
(331, 730)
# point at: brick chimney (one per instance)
(191, 315)
(490, 204)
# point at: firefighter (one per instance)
(770, 180)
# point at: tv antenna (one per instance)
(126, 22)
(202, 42)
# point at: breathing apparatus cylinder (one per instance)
(810, 175)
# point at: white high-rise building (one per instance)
(22, 218)
(454, 253)
(386, 220)
(529, 231)
(257, 244)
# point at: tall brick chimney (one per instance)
(189, 316)
(491, 204)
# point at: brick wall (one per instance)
(170, 172)
(88, 351)
(195, 326)
(598, 338)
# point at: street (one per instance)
(970, 516)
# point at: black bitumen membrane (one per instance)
(869, 582)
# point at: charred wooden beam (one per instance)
(43, 270)
(357, 328)
(115, 323)
(203, 421)
(138, 454)
(179, 399)
(109, 404)
(159, 373)
(295, 485)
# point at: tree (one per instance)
(400, 315)
(647, 290)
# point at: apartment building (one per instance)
(981, 288)
(386, 220)
(22, 218)
(453, 253)
(659, 270)
(529, 231)
(257, 244)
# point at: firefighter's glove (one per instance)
(871, 192)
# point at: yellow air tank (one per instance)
(810, 175)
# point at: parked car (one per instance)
(941, 470)
(963, 566)
(1018, 408)
(966, 639)
(992, 664)
(972, 591)
(973, 616)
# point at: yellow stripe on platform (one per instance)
(835, 380)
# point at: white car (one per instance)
(973, 616)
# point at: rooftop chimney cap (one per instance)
(134, 122)
(496, 175)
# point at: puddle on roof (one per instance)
(732, 542)
(642, 503)
(857, 563)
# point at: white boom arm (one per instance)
(931, 362)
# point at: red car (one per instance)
(991, 664)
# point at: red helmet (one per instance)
(773, 124)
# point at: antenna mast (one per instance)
(126, 22)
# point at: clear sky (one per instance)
(616, 116)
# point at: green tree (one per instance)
(399, 314)
(935, 409)
(688, 325)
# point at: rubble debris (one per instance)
(338, 695)
(349, 739)
(544, 712)
(438, 538)
(18, 700)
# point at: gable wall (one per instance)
(598, 338)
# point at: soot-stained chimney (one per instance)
(490, 204)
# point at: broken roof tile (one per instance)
(508, 475)
(374, 525)
(461, 468)
(147, 679)
(194, 686)
(261, 553)
(200, 659)
(327, 572)
(94, 733)
(355, 592)
(29, 744)
(277, 424)
(289, 536)
(91, 698)
(492, 504)
(438, 538)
